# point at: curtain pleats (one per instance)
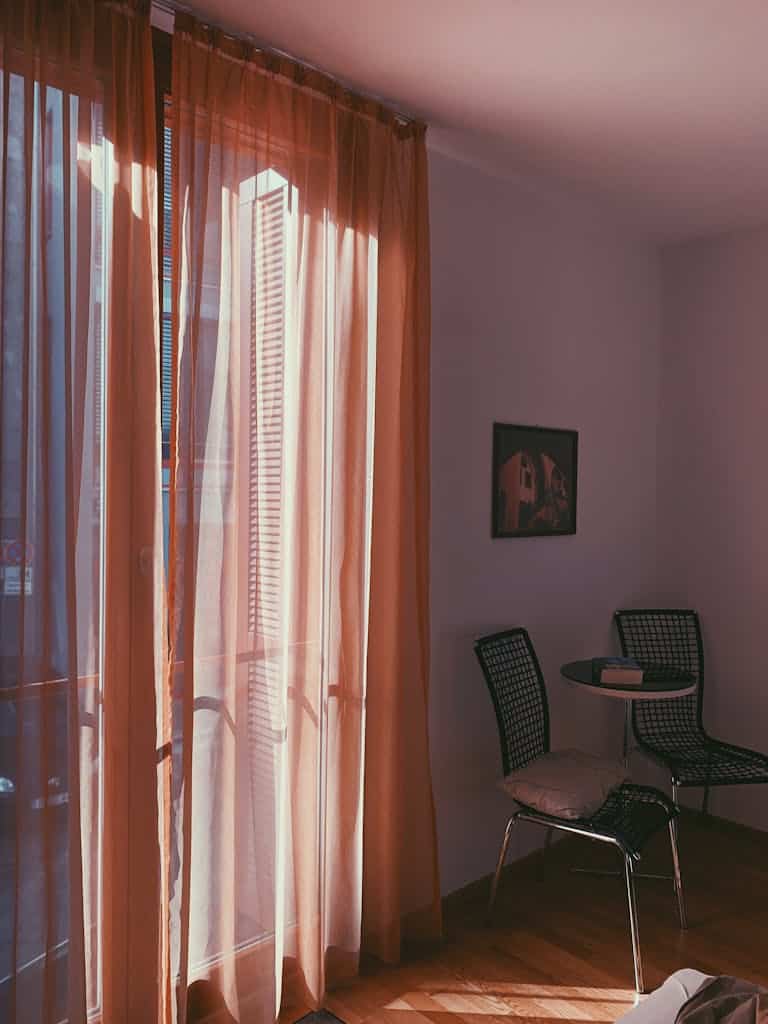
(269, 537)
(80, 590)
(134, 629)
(401, 891)
(299, 529)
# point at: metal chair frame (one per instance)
(516, 684)
(672, 731)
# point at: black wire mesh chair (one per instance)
(672, 731)
(627, 819)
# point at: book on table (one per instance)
(618, 671)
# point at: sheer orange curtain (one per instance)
(301, 326)
(79, 502)
(401, 890)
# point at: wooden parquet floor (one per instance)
(559, 947)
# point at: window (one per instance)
(54, 184)
(267, 228)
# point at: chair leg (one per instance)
(705, 801)
(499, 866)
(631, 900)
(675, 794)
(678, 876)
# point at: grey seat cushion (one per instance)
(565, 783)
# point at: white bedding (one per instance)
(661, 1006)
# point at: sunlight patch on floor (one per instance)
(555, 1002)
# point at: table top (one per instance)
(659, 682)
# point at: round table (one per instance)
(660, 682)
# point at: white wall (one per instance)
(713, 481)
(541, 315)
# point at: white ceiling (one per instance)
(658, 108)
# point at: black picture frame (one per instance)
(535, 476)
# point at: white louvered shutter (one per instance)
(266, 405)
(263, 253)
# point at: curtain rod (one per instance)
(164, 10)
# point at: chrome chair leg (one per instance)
(675, 794)
(629, 875)
(678, 875)
(499, 866)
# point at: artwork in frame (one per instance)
(534, 481)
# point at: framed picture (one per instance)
(534, 481)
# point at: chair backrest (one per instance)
(514, 678)
(664, 636)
